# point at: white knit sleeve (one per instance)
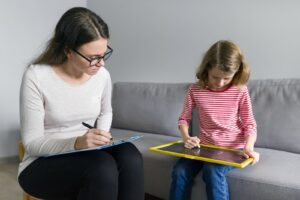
(32, 120)
(105, 117)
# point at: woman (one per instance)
(65, 86)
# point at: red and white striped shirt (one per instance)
(225, 117)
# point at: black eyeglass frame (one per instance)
(98, 58)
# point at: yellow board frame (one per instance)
(206, 159)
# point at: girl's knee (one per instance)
(214, 171)
(180, 172)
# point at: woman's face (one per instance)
(219, 80)
(80, 57)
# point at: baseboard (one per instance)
(11, 159)
(150, 197)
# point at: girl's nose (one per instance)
(220, 83)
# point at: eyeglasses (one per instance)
(96, 60)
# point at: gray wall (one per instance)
(160, 41)
(25, 27)
(163, 41)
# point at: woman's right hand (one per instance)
(92, 138)
(191, 142)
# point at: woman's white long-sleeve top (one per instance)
(51, 110)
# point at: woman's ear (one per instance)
(67, 52)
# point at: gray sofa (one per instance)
(152, 110)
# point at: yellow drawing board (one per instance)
(207, 153)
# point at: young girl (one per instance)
(225, 119)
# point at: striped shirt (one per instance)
(225, 117)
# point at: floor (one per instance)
(9, 187)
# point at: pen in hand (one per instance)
(87, 125)
(91, 127)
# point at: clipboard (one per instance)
(114, 143)
(207, 153)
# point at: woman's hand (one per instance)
(191, 142)
(92, 138)
(252, 154)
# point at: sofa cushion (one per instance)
(275, 177)
(148, 107)
(276, 107)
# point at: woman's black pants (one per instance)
(115, 173)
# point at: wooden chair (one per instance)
(21, 155)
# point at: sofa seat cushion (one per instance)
(276, 176)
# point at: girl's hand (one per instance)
(191, 142)
(92, 138)
(252, 154)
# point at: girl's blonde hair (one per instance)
(226, 56)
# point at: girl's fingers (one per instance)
(252, 154)
(188, 145)
(245, 155)
(194, 141)
(191, 144)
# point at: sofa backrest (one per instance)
(148, 107)
(155, 108)
(276, 107)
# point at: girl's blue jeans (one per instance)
(214, 176)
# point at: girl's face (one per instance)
(81, 57)
(218, 79)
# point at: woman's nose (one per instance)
(101, 63)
